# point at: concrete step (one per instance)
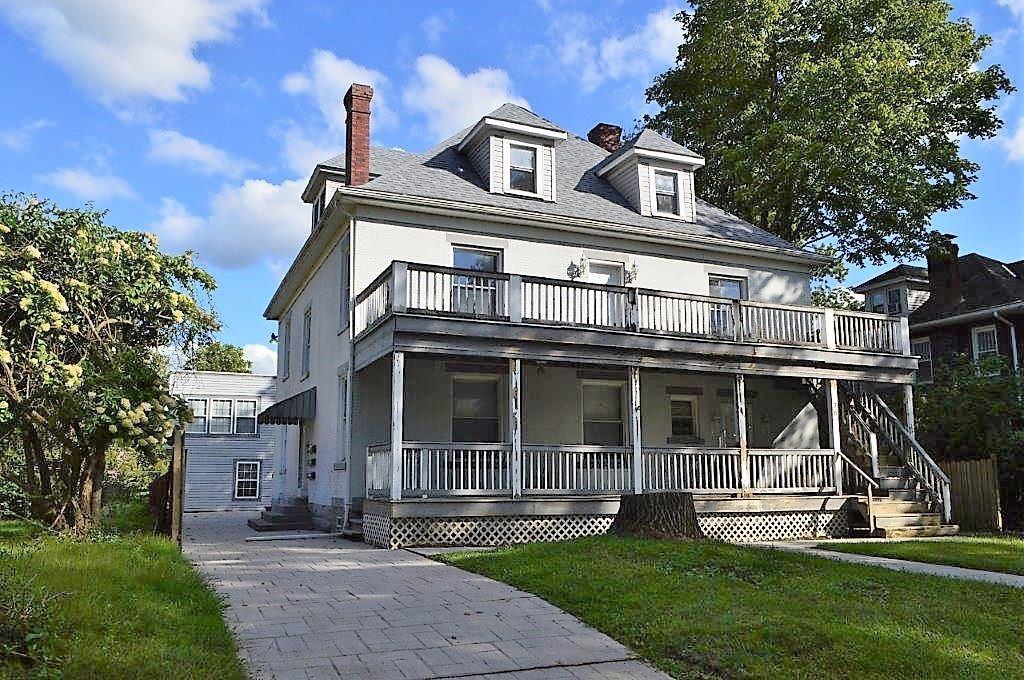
(907, 520)
(276, 516)
(920, 531)
(263, 525)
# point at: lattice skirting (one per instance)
(402, 532)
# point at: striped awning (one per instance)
(291, 411)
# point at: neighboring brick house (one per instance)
(970, 304)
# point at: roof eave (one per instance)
(691, 162)
(972, 315)
(508, 126)
(308, 194)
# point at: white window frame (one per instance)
(319, 206)
(694, 401)
(258, 480)
(474, 377)
(285, 343)
(654, 191)
(899, 301)
(931, 363)
(742, 280)
(975, 349)
(878, 307)
(307, 342)
(205, 419)
(345, 289)
(343, 399)
(507, 150)
(255, 417)
(624, 410)
(230, 416)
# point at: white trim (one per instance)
(344, 287)
(653, 181)
(975, 315)
(507, 167)
(475, 377)
(694, 400)
(691, 162)
(975, 332)
(259, 480)
(284, 340)
(930, 361)
(623, 407)
(742, 280)
(208, 419)
(306, 350)
(508, 126)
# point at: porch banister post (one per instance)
(908, 407)
(399, 286)
(835, 442)
(829, 331)
(741, 423)
(905, 336)
(515, 423)
(515, 298)
(636, 433)
(397, 408)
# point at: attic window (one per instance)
(522, 168)
(666, 192)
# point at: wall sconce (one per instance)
(631, 273)
(576, 270)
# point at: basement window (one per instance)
(247, 480)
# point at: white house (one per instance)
(229, 456)
(493, 340)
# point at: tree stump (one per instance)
(667, 514)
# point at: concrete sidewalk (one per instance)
(811, 548)
(331, 608)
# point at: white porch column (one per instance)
(834, 436)
(397, 410)
(636, 433)
(515, 423)
(908, 407)
(741, 424)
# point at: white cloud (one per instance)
(173, 147)
(1016, 7)
(130, 51)
(246, 223)
(452, 100)
(263, 358)
(87, 185)
(1014, 144)
(433, 27)
(302, 150)
(326, 78)
(20, 138)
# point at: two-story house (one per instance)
(493, 340)
(969, 305)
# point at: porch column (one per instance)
(908, 408)
(397, 410)
(634, 428)
(515, 423)
(741, 424)
(834, 437)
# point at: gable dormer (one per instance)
(655, 175)
(513, 151)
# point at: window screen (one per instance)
(245, 420)
(220, 416)
(475, 410)
(666, 192)
(602, 414)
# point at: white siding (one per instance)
(916, 298)
(627, 182)
(480, 157)
(497, 167)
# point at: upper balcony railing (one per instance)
(445, 291)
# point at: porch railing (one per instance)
(446, 291)
(458, 469)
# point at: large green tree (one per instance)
(219, 356)
(833, 123)
(84, 308)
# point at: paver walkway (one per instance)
(811, 548)
(330, 608)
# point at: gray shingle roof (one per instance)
(514, 113)
(652, 141)
(899, 271)
(984, 283)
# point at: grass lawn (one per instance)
(701, 609)
(992, 553)
(129, 606)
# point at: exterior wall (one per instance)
(627, 182)
(917, 297)
(480, 157)
(210, 459)
(948, 341)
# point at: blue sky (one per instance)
(200, 119)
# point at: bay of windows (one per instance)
(223, 416)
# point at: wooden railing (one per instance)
(576, 469)
(692, 469)
(446, 291)
(378, 470)
(796, 471)
(456, 469)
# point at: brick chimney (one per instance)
(606, 136)
(357, 134)
(944, 270)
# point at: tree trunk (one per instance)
(657, 515)
(91, 493)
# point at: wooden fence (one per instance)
(975, 493)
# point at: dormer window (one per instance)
(522, 168)
(666, 192)
(319, 203)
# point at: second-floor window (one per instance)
(286, 346)
(666, 192)
(894, 301)
(522, 168)
(345, 293)
(220, 416)
(984, 342)
(922, 348)
(198, 424)
(307, 338)
(223, 416)
(731, 288)
(319, 204)
(876, 302)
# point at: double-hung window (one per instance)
(666, 192)
(683, 415)
(730, 288)
(984, 342)
(602, 413)
(307, 328)
(220, 416)
(522, 168)
(319, 203)
(286, 346)
(198, 424)
(894, 301)
(344, 284)
(876, 303)
(245, 416)
(475, 409)
(247, 479)
(477, 295)
(922, 348)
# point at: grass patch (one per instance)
(700, 609)
(991, 553)
(108, 606)
(129, 516)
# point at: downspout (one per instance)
(1013, 339)
(349, 388)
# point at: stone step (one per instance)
(276, 516)
(263, 525)
(907, 520)
(920, 531)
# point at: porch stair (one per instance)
(913, 495)
(349, 524)
(284, 516)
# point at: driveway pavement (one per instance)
(331, 608)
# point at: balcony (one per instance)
(431, 291)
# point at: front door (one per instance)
(307, 459)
